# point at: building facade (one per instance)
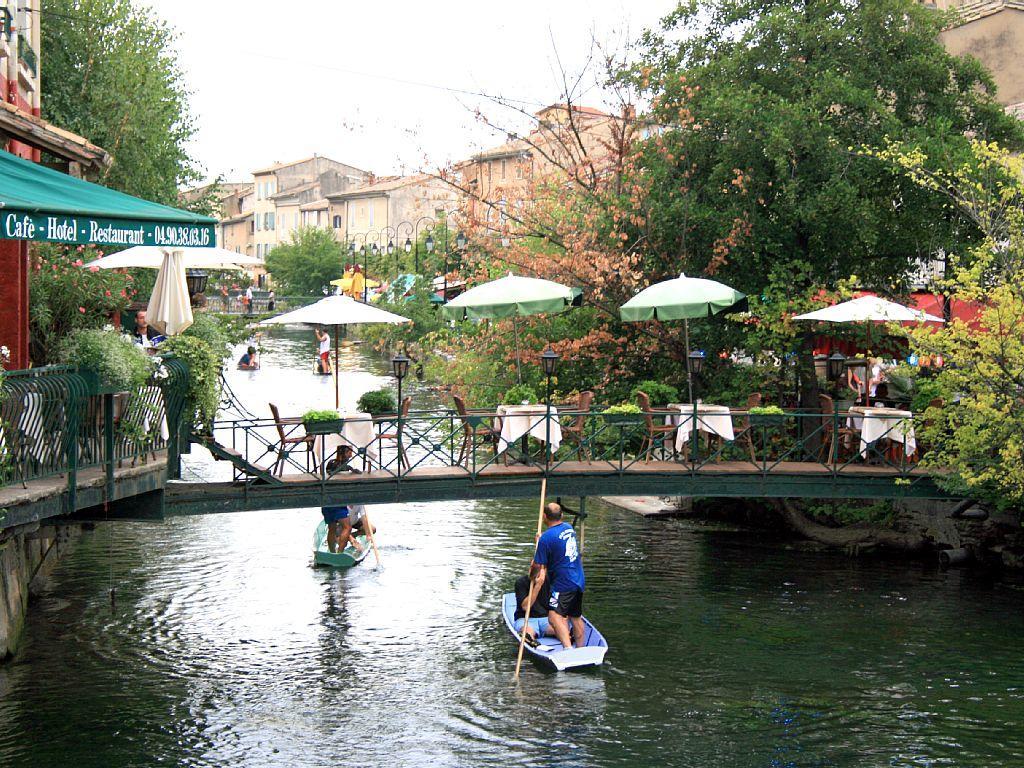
(389, 208)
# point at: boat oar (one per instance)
(529, 599)
(369, 532)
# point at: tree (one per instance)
(111, 74)
(306, 265)
(977, 444)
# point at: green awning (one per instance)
(39, 203)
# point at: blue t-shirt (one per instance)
(559, 551)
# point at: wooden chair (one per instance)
(576, 430)
(833, 444)
(746, 433)
(474, 424)
(654, 431)
(397, 433)
(285, 442)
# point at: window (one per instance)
(337, 222)
(371, 214)
(519, 170)
(295, 220)
(503, 162)
(351, 216)
(270, 218)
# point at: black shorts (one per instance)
(567, 603)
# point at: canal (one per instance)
(225, 648)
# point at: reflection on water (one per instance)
(225, 648)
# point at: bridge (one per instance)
(444, 455)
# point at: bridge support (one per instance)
(142, 507)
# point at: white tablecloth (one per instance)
(876, 423)
(519, 420)
(357, 432)
(713, 419)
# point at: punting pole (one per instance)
(369, 533)
(529, 599)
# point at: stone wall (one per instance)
(26, 553)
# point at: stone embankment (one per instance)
(27, 554)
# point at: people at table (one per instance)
(539, 625)
(853, 381)
(561, 563)
(324, 360)
(876, 375)
(249, 361)
(143, 333)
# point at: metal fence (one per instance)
(54, 422)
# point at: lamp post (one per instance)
(549, 361)
(836, 365)
(428, 223)
(400, 368)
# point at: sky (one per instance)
(365, 82)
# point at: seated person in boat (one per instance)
(558, 555)
(248, 361)
(339, 527)
(357, 516)
(539, 625)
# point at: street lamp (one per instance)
(408, 245)
(400, 368)
(460, 241)
(429, 243)
(836, 364)
(697, 360)
(549, 360)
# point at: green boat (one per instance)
(345, 559)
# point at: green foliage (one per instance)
(521, 393)
(926, 390)
(767, 410)
(732, 383)
(217, 332)
(66, 297)
(306, 264)
(377, 402)
(120, 363)
(417, 306)
(110, 73)
(621, 408)
(320, 415)
(660, 394)
(875, 513)
(204, 370)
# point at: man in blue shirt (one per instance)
(558, 555)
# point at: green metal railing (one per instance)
(400, 446)
(54, 421)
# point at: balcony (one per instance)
(28, 57)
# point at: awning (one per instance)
(39, 203)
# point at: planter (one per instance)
(767, 419)
(623, 418)
(329, 427)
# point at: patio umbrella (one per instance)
(681, 298)
(336, 311)
(152, 257)
(170, 309)
(868, 309)
(511, 296)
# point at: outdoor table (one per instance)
(876, 423)
(357, 433)
(525, 421)
(712, 419)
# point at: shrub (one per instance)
(119, 363)
(204, 368)
(767, 410)
(315, 415)
(521, 393)
(660, 394)
(212, 330)
(622, 408)
(377, 402)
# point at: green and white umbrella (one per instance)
(511, 296)
(681, 299)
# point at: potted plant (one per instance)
(521, 394)
(377, 403)
(322, 422)
(108, 361)
(623, 413)
(766, 415)
(660, 394)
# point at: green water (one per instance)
(224, 648)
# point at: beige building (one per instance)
(278, 184)
(389, 208)
(992, 31)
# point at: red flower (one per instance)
(82, 310)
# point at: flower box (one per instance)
(623, 418)
(326, 427)
(766, 419)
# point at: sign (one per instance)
(86, 230)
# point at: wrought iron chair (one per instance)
(655, 432)
(577, 429)
(475, 424)
(832, 444)
(399, 428)
(746, 431)
(286, 443)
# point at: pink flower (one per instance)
(78, 262)
(106, 293)
(82, 310)
(94, 268)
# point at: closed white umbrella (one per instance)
(337, 311)
(152, 257)
(869, 309)
(170, 310)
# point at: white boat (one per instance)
(549, 650)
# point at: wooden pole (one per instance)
(369, 533)
(337, 400)
(529, 599)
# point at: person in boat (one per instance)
(539, 625)
(561, 564)
(249, 361)
(324, 363)
(339, 527)
(357, 516)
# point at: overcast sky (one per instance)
(362, 82)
